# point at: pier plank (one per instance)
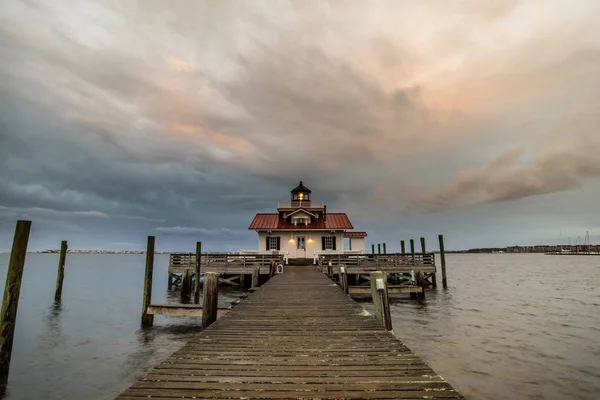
(297, 336)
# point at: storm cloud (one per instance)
(183, 119)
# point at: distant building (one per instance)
(303, 228)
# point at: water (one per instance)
(509, 327)
(92, 347)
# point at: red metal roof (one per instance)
(272, 222)
(355, 234)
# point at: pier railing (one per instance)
(222, 262)
(394, 262)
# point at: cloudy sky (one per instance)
(182, 119)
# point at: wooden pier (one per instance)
(410, 273)
(297, 336)
(233, 265)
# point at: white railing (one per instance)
(271, 252)
(317, 253)
(305, 204)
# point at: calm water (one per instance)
(509, 327)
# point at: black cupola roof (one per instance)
(301, 188)
(301, 193)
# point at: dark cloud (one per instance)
(118, 121)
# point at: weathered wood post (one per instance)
(424, 252)
(443, 261)
(187, 283)
(343, 276)
(378, 248)
(330, 270)
(384, 249)
(420, 282)
(255, 276)
(412, 250)
(197, 276)
(379, 293)
(61, 271)
(373, 249)
(10, 302)
(210, 298)
(148, 319)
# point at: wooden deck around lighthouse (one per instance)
(298, 336)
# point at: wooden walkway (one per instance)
(297, 337)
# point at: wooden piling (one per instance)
(381, 304)
(197, 275)
(187, 284)
(420, 282)
(443, 261)
(378, 248)
(61, 271)
(384, 249)
(372, 249)
(148, 319)
(10, 302)
(402, 247)
(343, 276)
(330, 270)
(242, 281)
(412, 250)
(210, 299)
(255, 276)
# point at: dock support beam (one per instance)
(61, 271)
(379, 293)
(384, 249)
(10, 302)
(424, 252)
(197, 277)
(412, 250)
(210, 300)
(372, 249)
(443, 261)
(148, 319)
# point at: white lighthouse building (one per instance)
(303, 229)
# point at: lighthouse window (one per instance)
(273, 242)
(329, 242)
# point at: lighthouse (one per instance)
(302, 229)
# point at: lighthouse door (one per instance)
(300, 247)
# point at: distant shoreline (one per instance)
(132, 252)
